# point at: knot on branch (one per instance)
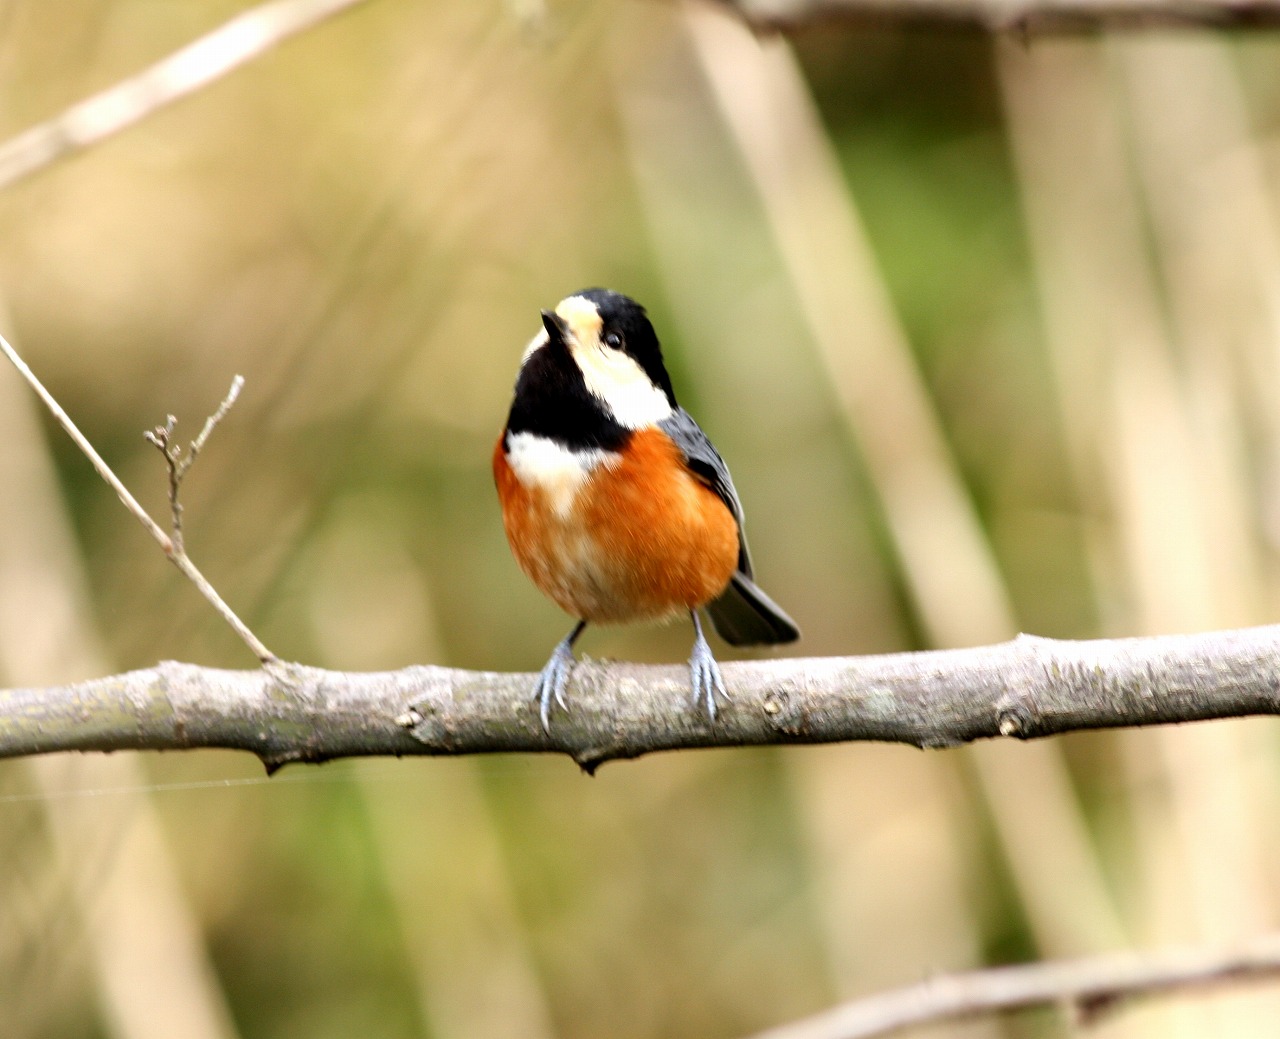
(786, 710)
(1017, 716)
(775, 705)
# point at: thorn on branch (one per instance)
(178, 464)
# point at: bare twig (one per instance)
(172, 549)
(1088, 985)
(177, 463)
(213, 55)
(197, 445)
(1020, 16)
(1025, 688)
(162, 437)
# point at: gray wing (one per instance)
(742, 614)
(705, 461)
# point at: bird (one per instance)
(614, 501)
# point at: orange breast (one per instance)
(642, 538)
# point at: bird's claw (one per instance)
(553, 681)
(704, 676)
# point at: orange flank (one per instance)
(642, 538)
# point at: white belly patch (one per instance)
(551, 467)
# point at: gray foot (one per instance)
(704, 672)
(554, 678)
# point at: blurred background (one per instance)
(989, 331)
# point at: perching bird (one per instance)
(614, 501)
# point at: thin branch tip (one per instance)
(177, 463)
(212, 421)
(162, 438)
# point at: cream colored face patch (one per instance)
(611, 375)
(558, 471)
(582, 317)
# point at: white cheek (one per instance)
(624, 387)
(558, 471)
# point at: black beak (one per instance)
(555, 325)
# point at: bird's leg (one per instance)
(704, 672)
(555, 676)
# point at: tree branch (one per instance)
(172, 547)
(1024, 16)
(1027, 688)
(243, 38)
(1088, 986)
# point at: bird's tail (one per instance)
(745, 616)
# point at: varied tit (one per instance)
(614, 501)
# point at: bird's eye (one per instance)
(613, 340)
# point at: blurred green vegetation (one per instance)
(1076, 240)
